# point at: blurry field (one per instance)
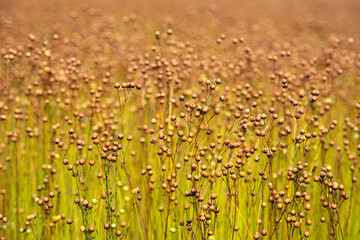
(179, 119)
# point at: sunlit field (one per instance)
(179, 120)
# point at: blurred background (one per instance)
(340, 16)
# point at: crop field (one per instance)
(171, 120)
